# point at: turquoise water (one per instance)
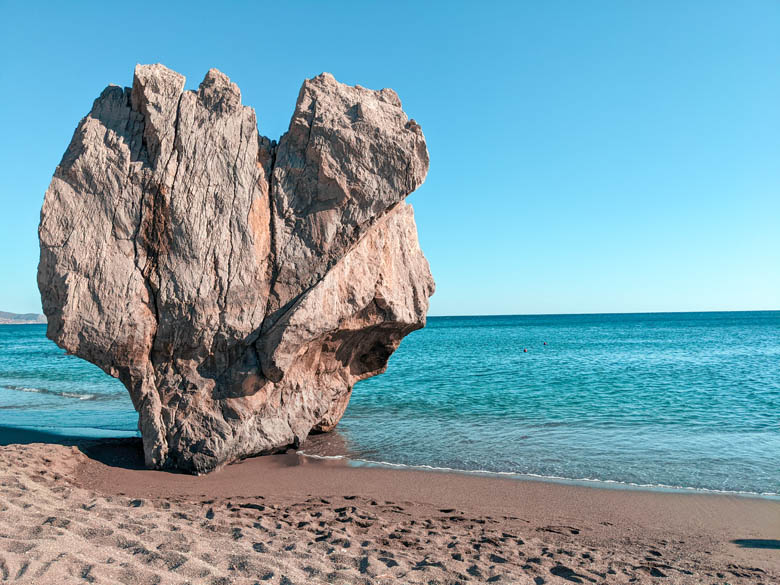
(42, 388)
(686, 400)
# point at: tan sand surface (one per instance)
(89, 513)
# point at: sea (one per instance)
(668, 401)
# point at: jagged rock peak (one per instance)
(237, 287)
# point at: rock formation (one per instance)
(237, 287)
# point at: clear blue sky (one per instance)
(585, 156)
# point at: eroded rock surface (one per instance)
(237, 287)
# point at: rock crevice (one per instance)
(237, 286)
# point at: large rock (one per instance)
(237, 287)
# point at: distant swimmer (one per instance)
(545, 343)
(525, 350)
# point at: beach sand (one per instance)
(89, 513)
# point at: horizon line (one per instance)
(606, 313)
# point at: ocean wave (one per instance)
(59, 393)
(610, 483)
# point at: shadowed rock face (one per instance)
(237, 287)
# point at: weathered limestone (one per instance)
(238, 288)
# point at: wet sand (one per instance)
(89, 512)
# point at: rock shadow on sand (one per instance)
(126, 453)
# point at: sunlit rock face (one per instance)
(237, 287)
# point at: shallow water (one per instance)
(42, 388)
(683, 399)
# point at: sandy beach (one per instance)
(390, 293)
(89, 512)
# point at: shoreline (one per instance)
(23, 435)
(111, 465)
(289, 519)
(605, 484)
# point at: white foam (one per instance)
(76, 395)
(551, 478)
